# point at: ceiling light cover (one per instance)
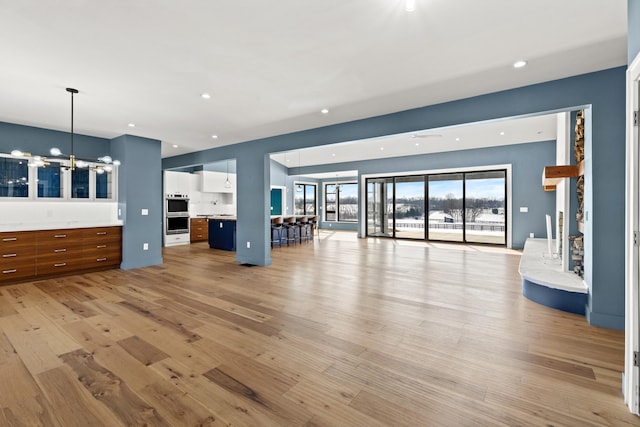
(410, 5)
(519, 64)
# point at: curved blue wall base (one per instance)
(573, 302)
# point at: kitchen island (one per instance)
(222, 232)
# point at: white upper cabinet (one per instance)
(177, 182)
(214, 182)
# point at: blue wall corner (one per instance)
(139, 187)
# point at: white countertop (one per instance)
(538, 267)
(220, 216)
(26, 226)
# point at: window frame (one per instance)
(337, 201)
(65, 183)
(304, 197)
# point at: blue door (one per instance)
(276, 201)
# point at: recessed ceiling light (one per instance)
(501, 133)
(410, 5)
(519, 64)
(324, 111)
(132, 125)
(175, 145)
(214, 136)
(381, 148)
(417, 144)
(205, 96)
(458, 139)
(333, 154)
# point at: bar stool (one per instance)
(313, 223)
(277, 231)
(305, 228)
(292, 230)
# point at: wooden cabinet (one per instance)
(199, 230)
(34, 254)
(58, 251)
(101, 246)
(17, 255)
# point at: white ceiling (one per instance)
(474, 135)
(270, 67)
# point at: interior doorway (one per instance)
(631, 384)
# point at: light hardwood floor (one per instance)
(339, 332)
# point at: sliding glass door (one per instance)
(409, 207)
(485, 207)
(380, 207)
(465, 207)
(445, 207)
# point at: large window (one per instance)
(14, 177)
(304, 199)
(54, 180)
(341, 202)
(80, 183)
(50, 181)
(462, 207)
(104, 185)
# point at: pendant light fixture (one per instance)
(227, 183)
(103, 164)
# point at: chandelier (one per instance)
(100, 165)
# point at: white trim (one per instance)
(507, 166)
(631, 378)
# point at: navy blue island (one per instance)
(222, 232)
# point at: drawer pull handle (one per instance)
(9, 239)
(101, 246)
(59, 236)
(101, 259)
(62, 264)
(9, 255)
(59, 250)
(9, 271)
(101, 233)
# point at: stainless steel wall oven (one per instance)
(177, 214)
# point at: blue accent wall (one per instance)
(633, 29)
(603, 92)
(39, 141)
(139, 187)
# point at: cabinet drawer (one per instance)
(15, 272)
(58, 266)
(102, 259)
(62, 235)
(10, 241)
(12, 254)
(102, 248)
(102, 234)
